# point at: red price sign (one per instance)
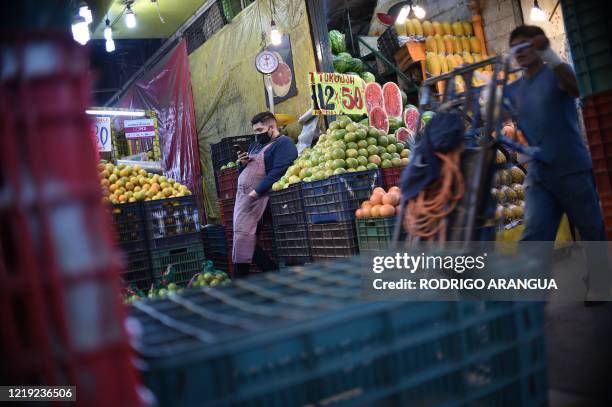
(335, 94)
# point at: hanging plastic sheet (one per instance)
(166, 89)
(228, 90)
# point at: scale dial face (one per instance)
(266, 62)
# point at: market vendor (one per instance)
(265, 163)
(544, 106)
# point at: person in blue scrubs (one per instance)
(544, 107)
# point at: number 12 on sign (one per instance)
(334, 94)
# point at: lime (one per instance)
(305, 173)
(372, 150)
(352, 163)
(350, 137)
(338, 163)
(372, 141)
(329, 165)
(391, 148)
(372, 166)
(322, 159)
(362, 144)
(338, 153)
(383, 141)
(386, 164)
(294, 179)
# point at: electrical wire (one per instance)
(159, 12)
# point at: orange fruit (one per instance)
(378, 189)
(367, 212)
(129, 186)
(391, 198)
(387, 210)
(375, 212)
(366, 205)
(101, 167)
(113, 187)
(376, 198)
(395, 189)
(104, 182)
(359, 213)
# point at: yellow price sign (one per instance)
(335, 94)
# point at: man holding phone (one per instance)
(265, 163)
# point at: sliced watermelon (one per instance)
(373, 96)
(379, 119)
(392, 100)
(411, 118)
(402, 134)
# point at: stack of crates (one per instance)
(132, 240)
(590, 38)
(330, 207)
(173, 231)
(215, 246)
(330, 347)
(290, 228)
(375, 234)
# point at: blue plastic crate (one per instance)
(287, 206)
(172, 221)
(128, 219)
(338, 197)
(303, 336)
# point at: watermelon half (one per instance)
(373, 96)
(411, 118)
(393, 100)
(379, 119)
(402, 134)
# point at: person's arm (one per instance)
(282, 157)
(564, 73)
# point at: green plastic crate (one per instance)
(590, 37)
(187, 261)
(375, 234)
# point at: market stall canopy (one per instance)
(149, 24)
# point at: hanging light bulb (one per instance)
(419, 12)
(85, 12)
(108, 31)
(403, 15)
(110, 45)
(275, 35)
(80, 30)
(130, 17)
(537, 14)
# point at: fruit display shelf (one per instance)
(303, 336)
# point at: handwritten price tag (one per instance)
(101, 128)
(334, 94)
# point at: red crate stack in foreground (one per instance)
(60, 309)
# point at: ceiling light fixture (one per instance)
(80, 30)
(110, 45)
(130, 17)
(403, 15)
(108, 31)
(85, 12)
(537, 14)
(419, 12)
(275, 35)
(112, 112)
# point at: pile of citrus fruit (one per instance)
(381, 204)
(125, 183)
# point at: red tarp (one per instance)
(166, 89)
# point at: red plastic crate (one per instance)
(60, 305)
(597, 114)
(228, 183)
(391, 176)
(226, 209)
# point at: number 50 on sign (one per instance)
(334, 94)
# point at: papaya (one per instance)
(427, 28)
(458, 60)
(474, 45)
(457, 46)
(440, 44)
(410, 28)
(457, 29)
(400, 29)
(448, 44)
(468, 29)
(459, 84)
(447, 28)
(418, 28)
(431, 45)
(477, 57)
(437, 27)
(467, 57)
(465, 44)
(450, 61)
(433, 64)
(443, 63)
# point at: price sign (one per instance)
(141, 128)
(101, 129)
(334, 94)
